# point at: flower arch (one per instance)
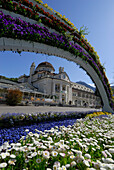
(35, 27)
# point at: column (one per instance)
(60, 94)
(65, 94)
(53, 89)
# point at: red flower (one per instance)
(31, 4)
(36, 6)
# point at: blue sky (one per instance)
(97, 15)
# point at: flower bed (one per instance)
(18, 119)
(19, 29)
(51, 21)
(98, 114)
(86, 144)
(13, 134)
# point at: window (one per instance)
(59, 76)
(38, 75)
(79, 94)
(64, 76)
(83, 95)
(63, 88)
(57, 87)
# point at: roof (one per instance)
(45, 64)
(8, 82)
(24, 87)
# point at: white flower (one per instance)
(29, 157)
(12, 162)
(43, 147)
(80, 157)
(18, 144)
(86, 148)
(63, 168)
(49, 138)
(26, 130)
(5, 146)
(3, 165)
(86, 163)
(30, 134)
(3, 155)
(54, 153)
(12, 156)
(38, 160)
(70, 153)
(7, 154)
(76, 151)
(107, 166)
(111, 150)
(67, 165)
(57, 163)
(108, 160)
(55, 167)
(40, 152)
(108, 154)
(62, 142)
(93, 149)
(46, 154)
(59, 168)
(96, 165)
(54, 147)
(73, 163)
(72, 157)
(34, 154)
(87, 156)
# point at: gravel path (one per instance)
(42, 109)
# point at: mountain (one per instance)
(87, 85)
(11, 79)
(112, 87)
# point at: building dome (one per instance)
(45, 66)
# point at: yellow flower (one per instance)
(45, 5)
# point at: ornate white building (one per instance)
(58, 86)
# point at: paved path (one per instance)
(42, 109)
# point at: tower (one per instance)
(61, 69)
(32, 69)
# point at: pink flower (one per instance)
(62, 154)
(104, 154)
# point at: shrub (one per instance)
(13, 97)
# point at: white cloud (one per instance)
(93, 85)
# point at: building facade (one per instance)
(58, 86)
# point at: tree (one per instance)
(13, 97)
(83, 30)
